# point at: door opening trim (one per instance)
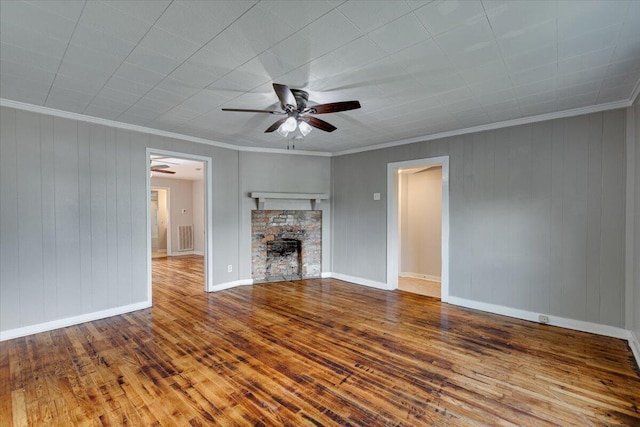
(393, 220)
(208, 213)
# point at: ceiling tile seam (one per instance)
(413, 12)
(6, 61)
(37, 5)
(613, 51)
(266, 49)
(286, 38)
(362, 36)
(432, 37)
(557, 48)
(468, 86)
(65, 53)
(410, 12)
(179, 65)
(275, 44)
(504, 63)
(240, 65)
(125, 59)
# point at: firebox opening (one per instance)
(284, 260)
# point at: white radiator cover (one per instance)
(185, 237)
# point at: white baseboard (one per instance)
(634, 343)
(185, 253)
(245, 282)
(229, 285)
(421, 276)
(359, 281)
(578, 325)
(70, 321)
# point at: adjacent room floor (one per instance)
(312, 352)
(424, 287)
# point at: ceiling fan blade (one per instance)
(241, 110)
(333, 107)
(320, 124)
(162, 171)
(287, 100)
(160, 167)
(276, 125)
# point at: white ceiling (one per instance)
(417, 67)
(190, 170)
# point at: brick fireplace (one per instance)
(286, 245)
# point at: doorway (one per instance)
(159, 211)
(180, 183)
(412, 239)
(420, 234)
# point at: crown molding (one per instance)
(281, 151)
(493, 126)
(142, 129)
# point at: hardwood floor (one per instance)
(312, 352)
(428, 288)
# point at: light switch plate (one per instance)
(376, 196)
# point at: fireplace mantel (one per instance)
(315, 198)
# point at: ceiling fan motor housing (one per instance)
(301, 97)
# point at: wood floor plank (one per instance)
(317, 352)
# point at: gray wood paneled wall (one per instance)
(288, 174)
(73, 213)
(536, 215)
(635, 322)
(73, 234)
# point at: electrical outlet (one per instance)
(376, 196)
(543, 319)
(229, 268)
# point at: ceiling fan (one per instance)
(298, 114)
(160, 168)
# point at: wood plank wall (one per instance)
(537, 215)
(634, 305)
(73, 216)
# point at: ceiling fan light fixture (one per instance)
(289, 125)
(283, 133)
(304, 128)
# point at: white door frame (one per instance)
(208, 215)
(393, 219)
